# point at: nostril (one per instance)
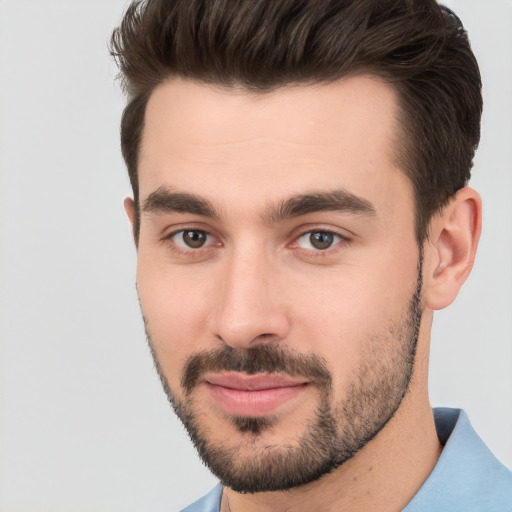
(267, 337)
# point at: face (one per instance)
(278, 272)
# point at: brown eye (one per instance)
(318, 240)
(191, 238)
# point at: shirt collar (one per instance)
(467, 476)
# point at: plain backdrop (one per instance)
(84, 425)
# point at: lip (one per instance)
(253, 395)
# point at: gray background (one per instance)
(84, 425)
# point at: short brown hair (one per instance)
(418, 46)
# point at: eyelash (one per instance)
(199, 251)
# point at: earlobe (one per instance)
(452, 245)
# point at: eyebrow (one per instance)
(336, 200)
(167, 200)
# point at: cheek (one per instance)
(175, 312)
(346, 314)
(353, 298)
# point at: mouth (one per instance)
(253, 396)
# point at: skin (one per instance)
(258, 280)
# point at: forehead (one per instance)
(220, 141)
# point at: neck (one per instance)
(383, 476)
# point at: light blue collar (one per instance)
(467, 476)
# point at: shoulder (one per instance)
(208, 503)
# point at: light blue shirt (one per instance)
(466, 478)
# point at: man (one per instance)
(300, 209)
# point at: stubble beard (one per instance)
(332, 436)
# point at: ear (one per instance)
(129, 208)
(451, 248)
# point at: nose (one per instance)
(251, 308)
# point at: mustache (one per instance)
(260, 359)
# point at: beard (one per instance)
(336, 431)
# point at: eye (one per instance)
(191, 238)
(318, 240)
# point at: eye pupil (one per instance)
(194, 239)
(321, 240)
